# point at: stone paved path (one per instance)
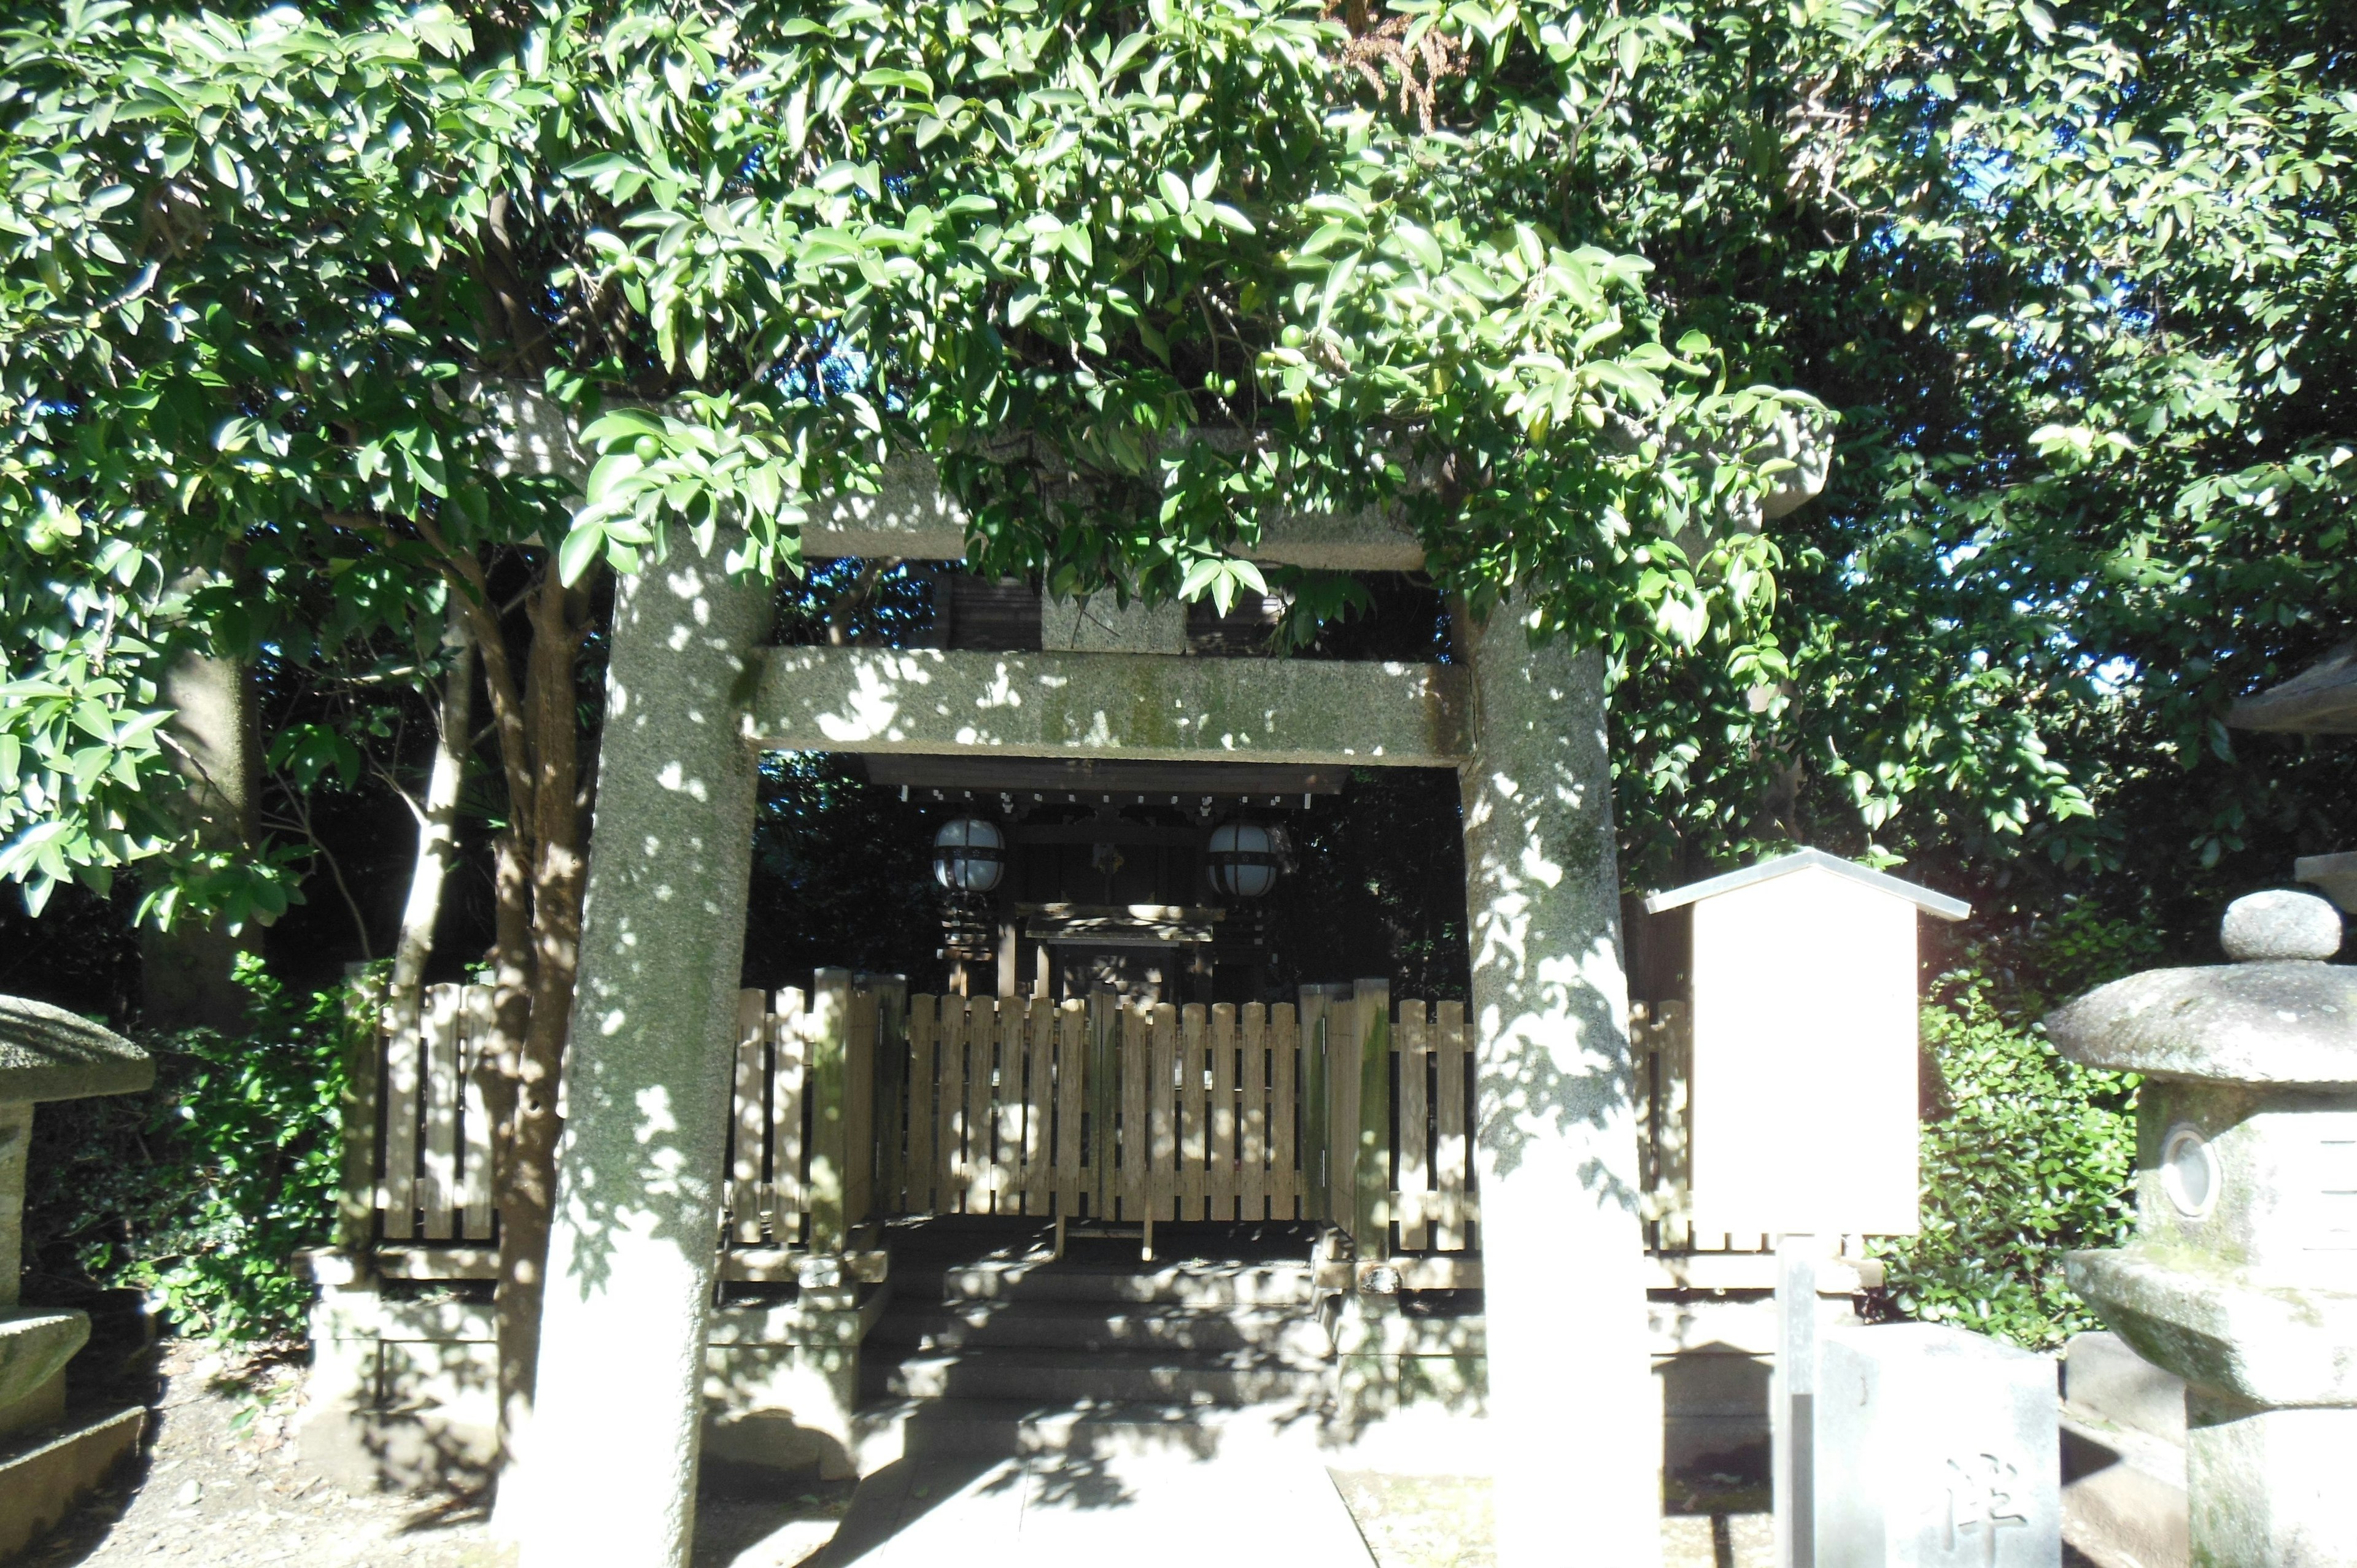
(1160, 1512)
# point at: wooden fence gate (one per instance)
(852, 1102)
(1142, 1115)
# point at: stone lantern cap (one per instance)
(48, 1053)
(2280, 1015)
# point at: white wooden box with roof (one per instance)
(1799, 979)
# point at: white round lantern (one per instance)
(969, 856)
(1245, 859)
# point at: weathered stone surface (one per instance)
(2269, 1488)
(2104, 1379)
(48, 1053)
(2250, 1022)
(2211, 1325)
(2246, 1177)
(398, 1392)
(1935, 1446)
(2336, 874)
(35, 1347)
(2243, 1278)
(2124, 1494)
(1563, 1254)
(40, 1484)
(912, 517)
(1113, 704)
(608, 1468)
(2280, 924)
(15, 1142)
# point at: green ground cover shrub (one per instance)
(200, 1191)
(2026, 1154)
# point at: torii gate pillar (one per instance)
(1575, 1425)
(607, 1465)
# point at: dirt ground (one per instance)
(218, 1482)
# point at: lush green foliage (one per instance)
(2027, 1156)
(2076, 279)
(2030, 1158)
(256, 270)
(200, 1191)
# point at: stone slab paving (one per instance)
(1139, 1512)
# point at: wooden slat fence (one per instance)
(853, 1100)
(1098, 1110)
(1661, 1045)
(1094, 1109)
(434, 1170)
(802, 1120)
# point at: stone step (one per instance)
(1188, 1283)
(889, 1430)
(1081, 1377)
(1103, 1325)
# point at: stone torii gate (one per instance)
(608, 1468)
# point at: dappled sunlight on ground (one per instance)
(220, 1483)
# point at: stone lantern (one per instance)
(2243, 1278)
(47, 1461)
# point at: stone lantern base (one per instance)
(2270, 1400)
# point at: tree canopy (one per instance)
(2072, 278)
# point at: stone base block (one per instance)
(2270, 1489)
(43, 1478)
(2124, 1497)
(2106, 1383)
(783, 1408)
(35, 1347)
(1934, 1449)
(1714, 1419)
(403, 1394)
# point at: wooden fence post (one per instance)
(1371, 1206)
(1323, 1011)
(891, 996)
(750, 1125)
(1104, 1035)
(829, 1078)
(361, 1104)
(1672, 1141)
(859, 1058)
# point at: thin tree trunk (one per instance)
(437, 826)
(558, 867)
(184, 972)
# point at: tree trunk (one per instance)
(436, 824)
(558, 863)
(185, 972)
(538, 876)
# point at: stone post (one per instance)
(609, 1465)
(2243, 1277)
(1571, 1400)
(46, 1460)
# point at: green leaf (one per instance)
(581, 550)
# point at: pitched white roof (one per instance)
(1924, 899)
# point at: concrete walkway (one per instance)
(1049, 1510)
